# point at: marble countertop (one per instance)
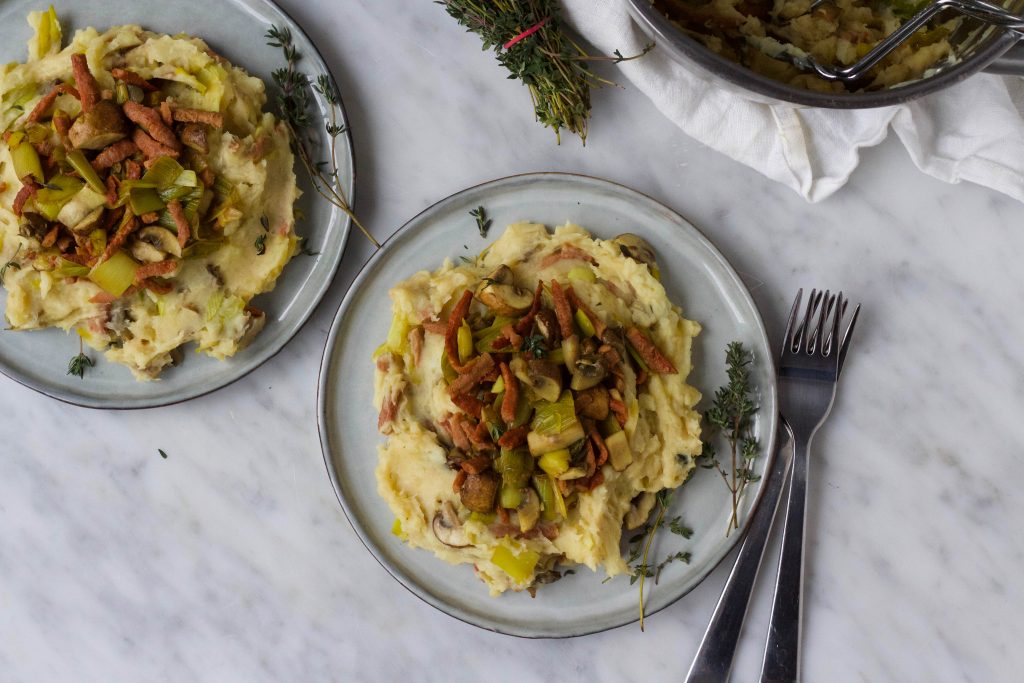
(231, 559)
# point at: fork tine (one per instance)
(818, 334)
(787, 342)
(801, 331)
(847, 335)
(833, 335)
(831, 340)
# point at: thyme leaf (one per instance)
(11, 263)
(261, 245)
(78, 364)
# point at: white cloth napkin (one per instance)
(971, 131)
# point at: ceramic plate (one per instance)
(697, 278)
(234, 28)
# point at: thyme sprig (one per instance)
(483, 223)
(529, 39)
(294, 98)
(731, 417)
(78, 364)
(12, 263)
(638, 559)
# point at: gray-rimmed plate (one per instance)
(235, 29)
(697, 278)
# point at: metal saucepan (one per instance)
(976, 48)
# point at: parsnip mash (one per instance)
(146, 196)
(534, 402)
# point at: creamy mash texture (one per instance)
(231, 172)
(652, 429)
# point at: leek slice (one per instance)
(88, 173)
(519, 566)
(553, 418)
(116, 274)
(58, 192)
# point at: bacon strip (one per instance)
(476, 465)
(460, 479)
(562, 310)
(435, 326)
(523, 326)
(598, 324)
(51, 237)
(619, 410)
(650, 353)
(156, 287)
(210, 118)
(481, 439)
(132, 78)
(451, 345)
(178, 214)
(47, 101)
(598, 441)
(27, 190)
(512, 336)
(514, 437)
(155, 269)
(388, 410)
(113, 154)
(470, 405)
(149, 119)
(511, 397)
(120, 237)
(88, 88)
(166, 113)
(152, 149)
(415, 343)
(474, 374)
(567, 252)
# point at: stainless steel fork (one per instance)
(713, 661)
(808, 371)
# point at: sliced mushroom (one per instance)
(154, 243)
(593, 403)
(499, 293)
(478, 492)
(545, 378)
(588, 372)
(33, 225)
(528, 510)
(637, 248)
(448, 527)
(99, 127)
(193, 135)
(547, 325)
(87, 224)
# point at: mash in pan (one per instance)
(534, 402)
(145, 195)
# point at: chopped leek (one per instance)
(486, 337)
(163, 173)
(396, 529)
(499, 386)
(144, 200)
(14, 102)
(543, 486)
(586, 327)
(519, 566)
(58, 192)
(48, 36)
(555, 463)
(510, 496)
(88, 173)
(465, 342)
(560, 506)
(116, 274)
(25, 158)
(70, 269)
(515, 467)
(553, 418)
(98, 240)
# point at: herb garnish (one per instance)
(293, 103)
(304, 249)
(730, 416)
(529, 40)
(78, 364)
(11, 263)
(483, 223)
(534, 344)
(261, 245)
(162, 454)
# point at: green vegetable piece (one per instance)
(116, 274)
(85, 169)
(510, 497)
(586, 327)
(25, 159)
(58, 192)
(519, 566)
(515, 467)
(145, 200)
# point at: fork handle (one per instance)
(782, 650)
(714, 658)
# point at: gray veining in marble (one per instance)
(231, 560)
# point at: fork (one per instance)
(812, 355)
(713, 661)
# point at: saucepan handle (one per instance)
(1010, 63)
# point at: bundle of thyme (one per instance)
(293, 102)
(730, 416)
(529, 40)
